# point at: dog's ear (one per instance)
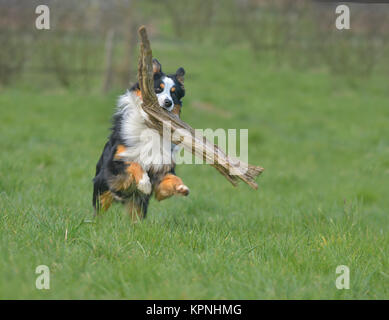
(157, 67)
(180, 75)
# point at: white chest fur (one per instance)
(143, 145)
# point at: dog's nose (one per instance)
(167, 103)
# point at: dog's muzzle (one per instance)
(167, 103)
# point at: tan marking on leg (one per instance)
(136, 170)
(120, 148)
(133, 173)
(105, 200)
(169, 186)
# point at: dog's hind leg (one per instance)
(102, 201)
(137, 208)
(102, 197)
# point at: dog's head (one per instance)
(169, 88)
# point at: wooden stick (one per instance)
(230, 167)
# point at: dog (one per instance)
(126, 172)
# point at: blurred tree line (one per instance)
(96, 39)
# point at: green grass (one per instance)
(322, 201)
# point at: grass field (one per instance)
(322, 201)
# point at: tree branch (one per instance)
(230, 167)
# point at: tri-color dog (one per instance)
(128, 171)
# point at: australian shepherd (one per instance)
(128, 171)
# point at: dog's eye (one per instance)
(158, 90)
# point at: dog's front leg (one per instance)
(169, 186)
(131, 174)
(141, 178)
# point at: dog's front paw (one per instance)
(144, 184)
(182, 190)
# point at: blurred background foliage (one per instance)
(92, 44)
